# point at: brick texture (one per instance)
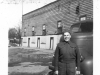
(64, 10)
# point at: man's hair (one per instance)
(69, 31)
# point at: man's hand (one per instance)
(77, 72)
(56, 72)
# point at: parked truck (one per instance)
(82, 35)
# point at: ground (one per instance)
(29, 61)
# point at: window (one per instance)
(75, 29)
(44, 29)
(87, 27)
(59, 27)
(24, 31)
(77, 10)
(32, 28)
(59, 7)
(59, 24)
(83, 17)
(82, 27)
(33, 33)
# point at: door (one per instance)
(21, 41)
(28, 42)
(38, 42)
(51, 42)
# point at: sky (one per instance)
(11, 11)
(11, 14)
(27, 7)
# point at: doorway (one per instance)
(38, 42)
(28, 42)
(21, 41)
(51, 42)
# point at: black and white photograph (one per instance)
(49, 37)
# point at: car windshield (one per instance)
(82, 27)
(86, 27)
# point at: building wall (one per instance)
(44, 41)
(33, 41)
(64, 10)
(60, 10)
(25, 41)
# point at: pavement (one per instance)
(30, 48)
(27, 67)
(30, 67)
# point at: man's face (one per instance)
(67, 36)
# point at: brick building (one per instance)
(50, 20)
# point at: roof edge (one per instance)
(40, 8)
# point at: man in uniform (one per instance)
(67, 57)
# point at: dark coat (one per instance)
(66, 52)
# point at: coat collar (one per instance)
(70, 43)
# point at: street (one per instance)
(29, 61)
